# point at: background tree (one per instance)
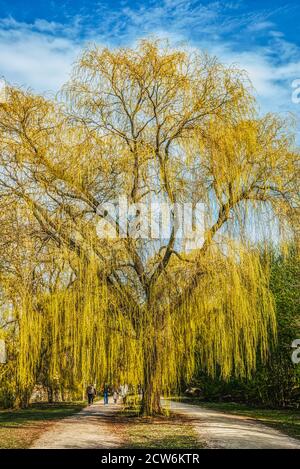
(276, 382)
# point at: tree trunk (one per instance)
(151, 401)
(50, 394)
(23, 398)
(56, 394)
(152, 380)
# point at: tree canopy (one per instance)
(149, 122)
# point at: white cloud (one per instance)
(47, 26)
(31, 55)
(260, 26)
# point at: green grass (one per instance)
(20, 427)
(285, 420)
(166, 432)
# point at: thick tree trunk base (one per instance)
(151, 404)
(50, 394)
(23, 399)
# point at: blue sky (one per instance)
(39, 40)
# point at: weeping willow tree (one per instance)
(147, 123)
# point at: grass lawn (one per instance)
(161, 432)
(286, 420)
(20, 427)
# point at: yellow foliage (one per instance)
(141, 122)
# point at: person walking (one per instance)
(105, 394)
(91, 393)
(115, 396)
(124, 391)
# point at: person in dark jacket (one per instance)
(91, 393)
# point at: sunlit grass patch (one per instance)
(161, 432)
(20, 427)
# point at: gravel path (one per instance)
(93, 427)
(221, 430)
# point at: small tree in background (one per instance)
(275, 382)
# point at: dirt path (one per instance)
(94, 427)
(100, 426)
(221, 430)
